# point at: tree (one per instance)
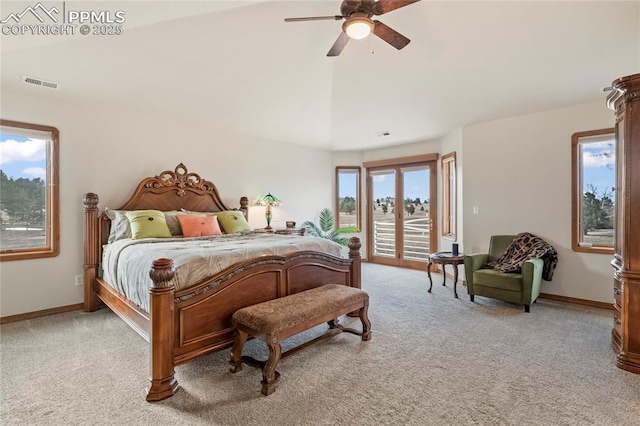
(410, 208)
(597, 212)
(385, 208)
(348, 205)
(23, 199)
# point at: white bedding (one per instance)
(126, 263)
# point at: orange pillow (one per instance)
(199, 226)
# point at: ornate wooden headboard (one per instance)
(169, 190)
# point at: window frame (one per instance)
(358, 171)
(576, 194)
(449, 196)
(52, 203)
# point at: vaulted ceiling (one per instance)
(238, 67)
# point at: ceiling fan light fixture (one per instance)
(358, 26)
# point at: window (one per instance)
(29, 191)
(348, 197)
(449, 209)
(593, 197)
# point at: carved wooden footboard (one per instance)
(186, 323)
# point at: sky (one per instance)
(598, 166)
(416, 185)
(22, 157)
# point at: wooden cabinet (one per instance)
(625, 102)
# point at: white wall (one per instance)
(518, 172)
(108, 152)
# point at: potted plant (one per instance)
(326, 228)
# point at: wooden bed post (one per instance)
(356, 261)
(91, 250)
(244, 206)
(162, 311)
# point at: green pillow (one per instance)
(148, 224)
(233, 221)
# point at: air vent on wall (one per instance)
(40, 82)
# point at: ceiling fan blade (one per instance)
(390, 35)
(339, 45)
(383, 6)
(315, 18)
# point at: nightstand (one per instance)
(264, 230)
(290, 231)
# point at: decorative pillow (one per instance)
(119, 225)
(233, 221)
(199, 226)
(171, 218)
(148, 224)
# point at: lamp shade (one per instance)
(269, 200)
(358, 26)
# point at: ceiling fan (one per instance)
(358, 24)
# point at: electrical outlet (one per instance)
(79, 280)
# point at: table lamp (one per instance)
(269, 201)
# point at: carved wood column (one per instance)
(162, 312)
(356, 261)
(91, 250)
(625, 101)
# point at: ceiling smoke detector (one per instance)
(40, 82)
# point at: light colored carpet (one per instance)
(432, 360)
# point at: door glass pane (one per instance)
(383, 208)
(416, 220)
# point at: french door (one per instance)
(401, 212)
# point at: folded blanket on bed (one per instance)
(527, 246)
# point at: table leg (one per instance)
(455, 280)
(444, 275)
(429, 274)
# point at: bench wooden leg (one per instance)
(269, 373)
(366, 324)
(236, 351)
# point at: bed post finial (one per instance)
(161, 310)
(162, 273)
(244, 206)
(91, 249)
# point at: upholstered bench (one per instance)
(275, 320)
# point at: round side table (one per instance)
(445, 258)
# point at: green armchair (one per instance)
(521, 288)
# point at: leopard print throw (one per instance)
(527, 246)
